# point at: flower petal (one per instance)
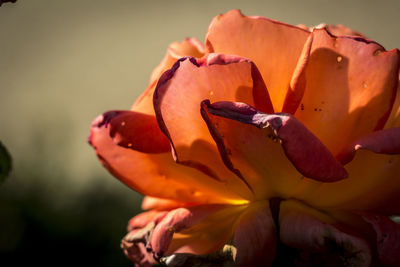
(137, 253)
(127, 128)
(255, 237)
(150, 203)
(394, 118)
(273, 46)
(189, 47)
(154, 174)
(335, 29)
(144, 218)
(177, 104)
(387, 238)
(298, 83)
(314, 232)
(383, 142)
(197, 229)
(373, 185)
(374, 181)
(350, 82)
(269, 148)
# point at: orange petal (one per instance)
(350, 88)
(264, 154)
(189, 47)
(298, 81)
(273, 46)
(197, 229)
(317, 233)
(177, 103)
(255, 237)
(153, 174)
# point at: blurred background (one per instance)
(64, 62)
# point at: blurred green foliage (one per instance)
(86, 232)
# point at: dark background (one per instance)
(64, 62)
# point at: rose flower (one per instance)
(271, 138)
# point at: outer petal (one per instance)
(132, 130)
(153, 174)
(374, 177)
(315, 233)
(150, 203)
(255, 237)
(349, 82)
(273, 46)
(189, 47)
(264, 154)
(197, 229)
(387, 239)
(177, 104)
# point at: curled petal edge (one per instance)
(306, 152)
(385, 141)
(259, 93)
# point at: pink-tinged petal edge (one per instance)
(385, 141)
(310, 157)
(132, 130)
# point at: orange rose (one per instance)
(272, 138)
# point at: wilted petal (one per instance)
(349, 82)
(314, 232)
(197, 229)
(137, 253)
(177, 104)
(266, 148)
(273, 46)
(387, 238)
(154, 174)
(255, 237)
(189, 47)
